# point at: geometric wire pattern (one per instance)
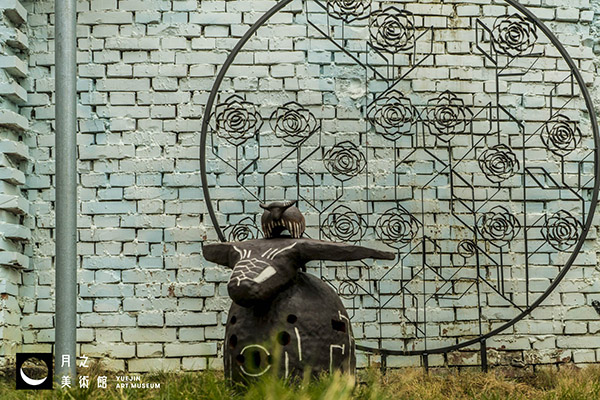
(465, 144)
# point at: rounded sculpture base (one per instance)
(305, 327)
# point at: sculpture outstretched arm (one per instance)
(218, 253)
(330, 251)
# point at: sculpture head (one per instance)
(282, 215)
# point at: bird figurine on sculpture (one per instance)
(281, 215)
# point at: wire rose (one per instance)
(397, 227)
(514, 36)
(393, 115)
(349, 10)
(237, 120)
(466, 248)
(562, 230)
(561, 135)
(345, 225)
(392, 30)
(499, 163)
(246, 229)
(447, 115)
(293, 123)
(498, 226)
(348, 289)
(344, 161)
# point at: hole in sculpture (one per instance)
(255, 359)
(240, 359)
(233, 320)
(292, 319)
(339, 326)
(233, 341)
(284, 338)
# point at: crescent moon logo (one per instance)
(29, 381)
(41, 366)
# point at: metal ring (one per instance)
(575, 251)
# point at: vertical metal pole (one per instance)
(65, 153)
(425, 361)
(484, 359)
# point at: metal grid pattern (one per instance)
(483, 182)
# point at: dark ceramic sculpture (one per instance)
(281, 317)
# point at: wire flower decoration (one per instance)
(392, 30)
(562, 230)
(561, 135)
(499, 163)
(237, 120)
(393, 115)
(514, 35)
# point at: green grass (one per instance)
(410, 384)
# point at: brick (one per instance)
(114, 350)
(577, 342)
(103, 262)
(122, 85)
(154, 335)
(151, 319)
(14, 11)
(188, 318)
(103, 320)
(104, 17)
(105, 290)
(99, 152)
(126, 43)
(187, 349)
(108, 207)
(14, 66)
(194, 363)
(149, 350)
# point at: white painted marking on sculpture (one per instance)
(239, 251)
(350, 339)
(278, 252)
(263, 349)
(331, 354)
(265, 274)
(271, 253)
(266, 252)
(287, 364)
(299, 343)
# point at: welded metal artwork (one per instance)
(466, 144)
(237, 120)
(293, 123)
(349, 10)
(281, 317)
(514, 35)
(446, 116)
(392, 30)
(561, 135)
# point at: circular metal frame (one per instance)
(575, 251)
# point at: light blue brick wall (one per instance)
(147, 298)
(15, 221)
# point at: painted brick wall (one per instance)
(147, 298)
(14, 153)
